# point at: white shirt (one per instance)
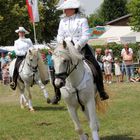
(107, 59)
(74, 28)
(22, 45)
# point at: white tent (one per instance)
(114, 34)
(134, 34)
(11, 48)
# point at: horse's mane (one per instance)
(41, 66)
(69, 50)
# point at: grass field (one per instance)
(52, 122)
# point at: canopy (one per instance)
(3, 51)
(114, 33)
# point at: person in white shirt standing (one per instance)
(21, 47)
(107, 61)
(74, 27)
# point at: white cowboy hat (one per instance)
(21, 29)
(69, 4)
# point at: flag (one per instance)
(32, 6)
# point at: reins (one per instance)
(59, 75)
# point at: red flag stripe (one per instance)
(30, 11)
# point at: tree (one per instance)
(13, 13)
(134, 8)
(112, 9)
(95, 19)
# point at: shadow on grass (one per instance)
(117, 137)
(52, 108)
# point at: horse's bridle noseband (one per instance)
(63, 75)
(33, 68)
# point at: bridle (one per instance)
(34, 68)
(68, 71)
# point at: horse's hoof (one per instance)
(22, 107)
(31, 110)
(48, 101)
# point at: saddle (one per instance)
(93, 70)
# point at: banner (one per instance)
(32, 6)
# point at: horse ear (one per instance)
(64, 44)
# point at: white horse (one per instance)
(28, 76)
(74, 78)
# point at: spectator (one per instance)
(99, 57)
(3, 60)
(122, 71)
(107, 62)
(111, 54)
(5, 74)
(9, 57)
(127, 55)
(117, 70)
(137, 77)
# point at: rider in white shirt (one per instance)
(21, 47)
(74, 27)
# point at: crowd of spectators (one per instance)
(120, 67)
(5, 59)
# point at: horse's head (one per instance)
(32, 58)
(66, 59)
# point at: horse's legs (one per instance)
(92, 119)
(42, 87)
(23, 100)
(27, 87)
(73, 113)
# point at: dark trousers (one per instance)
(88, 54)
(17, 64)
(56, 90)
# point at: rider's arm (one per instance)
(85, 33)
(60, 35)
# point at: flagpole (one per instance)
(34, 33)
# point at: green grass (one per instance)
(52, 122)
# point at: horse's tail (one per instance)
(101, 106)
(43, 70)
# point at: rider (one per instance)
(21, 47)
(74, 27)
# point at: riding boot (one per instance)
(13, 84)
(88, 54)
(57, 96)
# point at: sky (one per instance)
(90, 5)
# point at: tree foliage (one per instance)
(112, 9)
(109, 10)
(134, 8)
(13, 13)
(95, 19)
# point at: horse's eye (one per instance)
(65, 61)
(31, 59)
